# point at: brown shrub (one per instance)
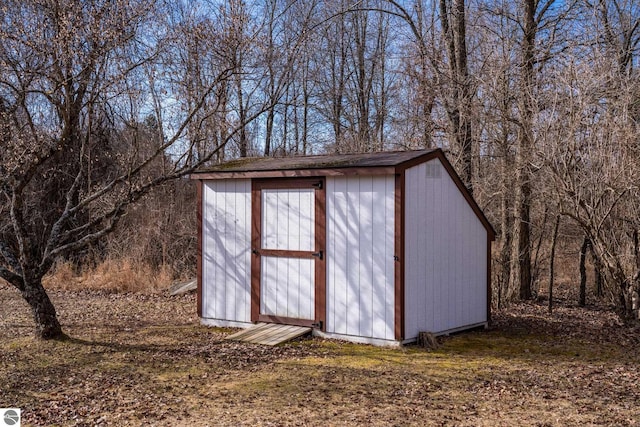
(120, 275)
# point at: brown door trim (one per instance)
(257, 185)
(256, 216)
(321, 262)
(286, 320)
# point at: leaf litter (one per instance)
(144, 359)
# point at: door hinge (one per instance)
(317, 325)
(317, 254)
(318, 185)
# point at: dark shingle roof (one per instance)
(329, 161)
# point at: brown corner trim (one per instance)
(199, 219)
(399, 229)
(489, 290)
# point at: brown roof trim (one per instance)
(430, 155)
(319, 161)
(296, 173)
(438, 153)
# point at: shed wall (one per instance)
(226, 254)
(445, 254)
(360, 250)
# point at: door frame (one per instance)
(320, 275)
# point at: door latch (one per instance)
(317, 254)
(318, 185)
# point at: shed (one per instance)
(371, 248)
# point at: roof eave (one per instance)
(291, 173)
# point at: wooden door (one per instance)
(288, 260)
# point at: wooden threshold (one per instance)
(269, 333)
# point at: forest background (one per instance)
(106, 106)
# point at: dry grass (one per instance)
(121, 275)
(143, 359)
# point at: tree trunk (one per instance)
(582, 299)
(633, 295)
(269, 131)
(459, 111)
(44, 313)
(597, 272)
(505, 252)
(623, 287)
(506, 216)
(521, 243)
(305, 121)
(521, 255)
(552, 262)
(243, 143)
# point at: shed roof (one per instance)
(327, 161)
(381, 163)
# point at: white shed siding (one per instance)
(445, 254)
(360, 250)
(226, 250)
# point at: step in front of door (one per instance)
(270, 333)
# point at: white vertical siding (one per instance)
(226, 254)
(287, 287)
(445, 254)
(360, 250)
(288, 219)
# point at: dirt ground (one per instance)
(134, 359)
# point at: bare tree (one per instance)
(458, 100)
(595, 170)
(538, 25)
(521, 252)
(72, 87)
(552, 258)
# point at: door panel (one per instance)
(287, 287)
(288, 219)
(288, 270)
